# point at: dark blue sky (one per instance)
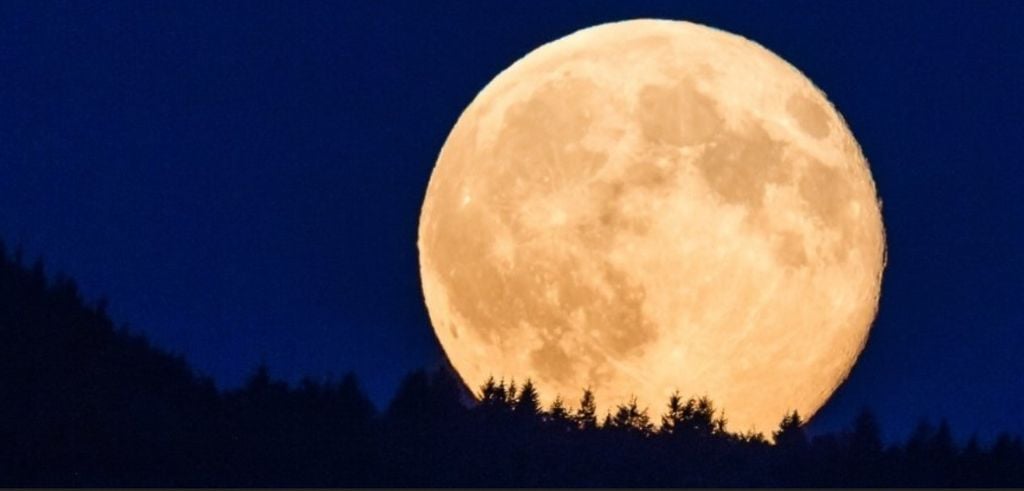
(243, 180)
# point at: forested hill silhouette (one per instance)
(84, 403)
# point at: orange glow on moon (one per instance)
(647, 206)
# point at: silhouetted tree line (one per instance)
(85, 403)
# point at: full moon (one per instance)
(649, 206)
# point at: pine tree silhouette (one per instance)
(586, 415)
(631, 419)
(672, 420)
(791, 433)
(865, 458)
(558, 417)
(527, 405)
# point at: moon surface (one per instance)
(649, 206)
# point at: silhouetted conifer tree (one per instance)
(866, 438)
(528, 403)
(259, 381)
(558, 410)
(969, 468)
(489, 394)
(863, 456)
(928, 454)
(558, 416)
(495, 401)
(586, 414)
(693, 421)
(791, 432)
(511, 394)
(631, 419)
(673, 418)
(1006, 455)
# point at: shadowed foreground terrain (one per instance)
(84, 403)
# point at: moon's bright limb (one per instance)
(647, 206)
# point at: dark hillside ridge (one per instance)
(84, 403)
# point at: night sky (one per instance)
(243, 180)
